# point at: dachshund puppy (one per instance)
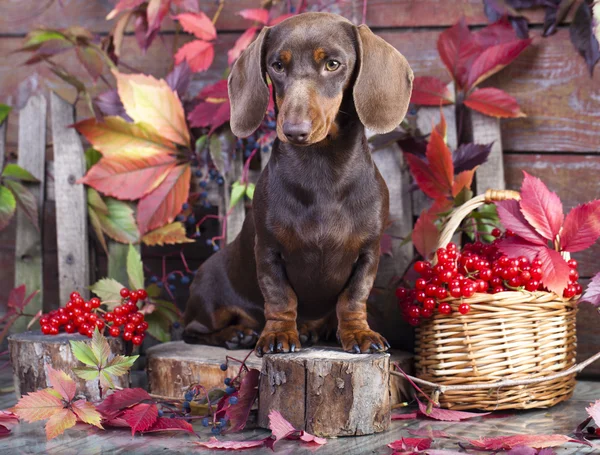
(309, 250)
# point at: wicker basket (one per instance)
(509, 335)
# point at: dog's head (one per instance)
(312, 59)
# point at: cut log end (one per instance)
(32, 352)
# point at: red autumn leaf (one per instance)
(210, 114)
(165, 424)
(499, 32)
(409, 416)
(531, 440)
(425, 234)
(516, 246)
(9, 418)
(91, 61)
(448, 415)
(542, 208)
(258, 14)
(592, 293)
(4, 431)
(17, 299)
(581, 228)
(198, 54)
(512, 218)
(440, 159)
(494, 102)
(458, 51)
(421, 172)
(155, 13)
(141, 417)
(279, 19)
(162, 205)
(241, 44)
(122, 399)
(198, 24)
(214, 443)
(62, 383)
(461, 181)
(555, 270)
(238, 413)
(493, 59)
(430, 91)
(406, 444)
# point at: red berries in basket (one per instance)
(83, 317)
(478, 268)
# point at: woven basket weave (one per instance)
(509, 335)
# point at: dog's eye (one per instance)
(277, 67)
(332, 65)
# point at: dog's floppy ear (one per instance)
(248, 90)
(383, 85)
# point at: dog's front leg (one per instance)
(281, 304)
(353, 330)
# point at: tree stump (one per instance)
(31, 352)
(173, 367)
(327, 392)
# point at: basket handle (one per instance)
(459, 213)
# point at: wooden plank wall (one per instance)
(559, 140)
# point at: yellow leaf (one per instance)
(152, 101)
(86, 412)
(59, 422)
(170, 234)
(39, 405)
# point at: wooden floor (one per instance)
(30, 438)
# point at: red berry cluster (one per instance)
(479, 268)
(83, 317)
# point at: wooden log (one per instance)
(28, 248)
(173, 367)
(32, 352)
(327, 392)
(71, 202)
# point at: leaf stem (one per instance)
(218, 12)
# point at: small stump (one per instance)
(327, 392)
(173, 367)
(30, 352)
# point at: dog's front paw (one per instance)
(362, 340)
(278, 339)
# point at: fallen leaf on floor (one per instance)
(412, 415)
(214, 443)
(409, 445)
(538, 441)
(448, 415)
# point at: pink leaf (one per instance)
(122, 399)
(259, 15)
(9, 418)
(199, 24)
(430, 91)
(279, 19)
(165, 424)
(594, 412)
(307, 437)
(515, 246)
(199, 55)
(238, 413)
(411, 444)
(522, 450)
(531, 440)
(241, 44)
(409, 416)
(279, 427)
(4, 431)
(542, 208)
(592, 293)
(425, 234)
(581, 228)
(555, 270)
(214, 443)
(448, 415)
(512, 218)
(141, 417)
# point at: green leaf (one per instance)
(36, 37)
(95, 222)
(17, 172)
(158, 327)
(8, 205)
(108, 290)
(119, 224)
(216, 153)
(153, 290)
(4, 111)
(92, 156)
(84, 353)
(26, 201)
(465, 195)
(167, 310)
(238, 190)
(250, 190)
(95, 201)
(87, 373)
(201, 143)
(120, 365)
(100, 348)
(106, 380)
(135, 268)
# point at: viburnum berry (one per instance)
(74, 295)
(142, 294)
(572, 263)
(137, 340)
(444, 308)
(124, 293)
(464, 308)
(496, 232)
(95, 302)
(127, 336)
(114, 331)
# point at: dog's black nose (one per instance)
(297, 132)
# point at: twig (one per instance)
(218, 12)
(506, 383)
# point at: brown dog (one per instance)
(311, 244)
